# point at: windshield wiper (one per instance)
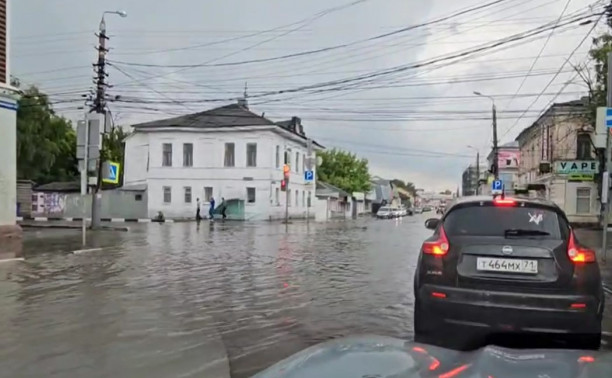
(523, 232)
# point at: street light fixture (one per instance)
(121, 13)
(495, 167)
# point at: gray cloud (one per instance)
(393, 125)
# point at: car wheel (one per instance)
(423, 327)
(591, 341)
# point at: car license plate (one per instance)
(506, 265)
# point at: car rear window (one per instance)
(495, 220)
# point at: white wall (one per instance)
(136, 156)
(8, 157)
(208, 170)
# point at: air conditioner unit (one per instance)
(545, 167)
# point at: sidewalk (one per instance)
(592, 239)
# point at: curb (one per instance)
(113, 220)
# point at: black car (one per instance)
(509, 266)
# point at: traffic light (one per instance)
(286, 174)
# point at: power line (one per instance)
(557, 74)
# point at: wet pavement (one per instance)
(188, 300)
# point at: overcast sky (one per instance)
(411, 121)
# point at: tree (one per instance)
(344, 170)
(597, 86)
(447, 191)
(46, 142)
(408, 186)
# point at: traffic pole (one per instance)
(495, 150)
(84, 179)
(477, 172)
(605, 187)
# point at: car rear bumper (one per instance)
(494, 311)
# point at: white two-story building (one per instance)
(227, 152)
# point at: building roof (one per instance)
(66, 186)
(233, 115)
(581, 103)
(325, 189)
(228, 116)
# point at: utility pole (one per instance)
(605, 187)
(495, 150)
(99, 107)
(84, 178)
(477, 172)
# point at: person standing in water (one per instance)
(223, 208)
(198, 217)
(212, 208)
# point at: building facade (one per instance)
(469, 179)
(10, 232)
(227, 152)
(557, 152)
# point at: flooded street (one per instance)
(186, 300)
(182, 300)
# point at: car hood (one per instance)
(386, 357)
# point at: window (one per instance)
(494, 221)
(277, 196)
(297, 194)
(277, 156)
(303, 198)
(303, 163)
(167, 155)
(250, 195)
(508, 162)
(297, 161)
(229, 155)
(583, 147)
(583, 200)
(251, 152)
(187, 154)
(138, 197)
(208, 193)
(188, 194)
(167, 194)
(288, 157)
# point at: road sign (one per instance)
(309, 176)
(609, 118)
(111, 172)
(497, 187)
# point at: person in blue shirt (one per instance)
(212, 208)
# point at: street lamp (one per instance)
(477, 168)
(494, 116)
(121, 13)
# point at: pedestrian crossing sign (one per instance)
(110, 172)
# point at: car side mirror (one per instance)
(432, 223)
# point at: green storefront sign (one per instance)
(577, 170)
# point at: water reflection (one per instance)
(192, 299)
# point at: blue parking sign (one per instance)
(497, 186)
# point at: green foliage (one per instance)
(408, 186)
(447, 191)
(344, 170)
(46, 142)
(112, 147)
(597, 86)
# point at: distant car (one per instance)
(418, 210)
(507, 266)
(426, 208)
(385, 212)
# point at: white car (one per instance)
(384, 212)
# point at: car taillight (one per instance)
(437, 247)
(577, 253)
(503, 202)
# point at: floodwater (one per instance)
(207, 300)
